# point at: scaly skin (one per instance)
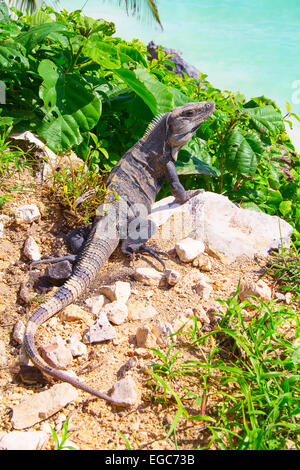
(137, 177)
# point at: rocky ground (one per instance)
(155, 309)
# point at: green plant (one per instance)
(252, 373)
(286, 270)
(80, 188)
(60, 442)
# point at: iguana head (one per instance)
(182, 123)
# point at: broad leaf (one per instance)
(70, 104)
(39, 17)
(105, 53)
(242, 152)
(4, 13)
(194, 166)
(130, 54)
(37, 34)
(155, 94)
(11, 56)
(266, 119)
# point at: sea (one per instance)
(251, 46)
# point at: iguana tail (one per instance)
(96, 253)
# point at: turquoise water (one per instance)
(248, 45)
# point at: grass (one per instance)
(81, 189)
(60, 443)
(245, 387)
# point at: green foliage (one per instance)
(245, 385)
(81, 189)
(77, 85)
(60, 442)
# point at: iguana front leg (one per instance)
(177, 190)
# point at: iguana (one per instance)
(137, 179)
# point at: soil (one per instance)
(95, 424)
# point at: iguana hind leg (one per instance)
(139, 233)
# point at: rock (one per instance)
(203, 289)
(141, 311)
(4, 219)
(181, 66)
(96, 303)
(148, 276)
(144, 337)
(226, 230)
(18, 440)
(203, 262)
(24, 293)
(259, 289)
(76, 347)
(280, 296)
(188, 249)
(27, 214)
(3, 354)
(100, 331)
(1, 229)
(42, 405)
(182, 320)
(32, 250)
(116, 312)
(172, 276)
(288, 298)
(130, 364)
(125, 391)
(120, 291)
(58, 273)
(57, 354)
(75, 313)
(162, 331)
(19, 332)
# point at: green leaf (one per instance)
(70, 104)
(266, 119)
(39, 17)
(130, 54)
(179, 97)
(105, 53)
(285, 207)
(4, 13)
(194, 166)
(155, 94)
(242, 152)
(37, 34)
(11, 56)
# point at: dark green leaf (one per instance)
(266, 119)
(71, 107)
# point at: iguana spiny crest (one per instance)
(180, 124)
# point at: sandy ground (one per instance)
(96, 424)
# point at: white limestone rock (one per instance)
(148, 276)
(116, 312)
(31, 249)
(188, 249)
(100, 331)
(27, 213)
(21, 440)
(41, 406)
(228, 231)
(119, 291)
(250, 288)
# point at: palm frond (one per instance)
(139, 7)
